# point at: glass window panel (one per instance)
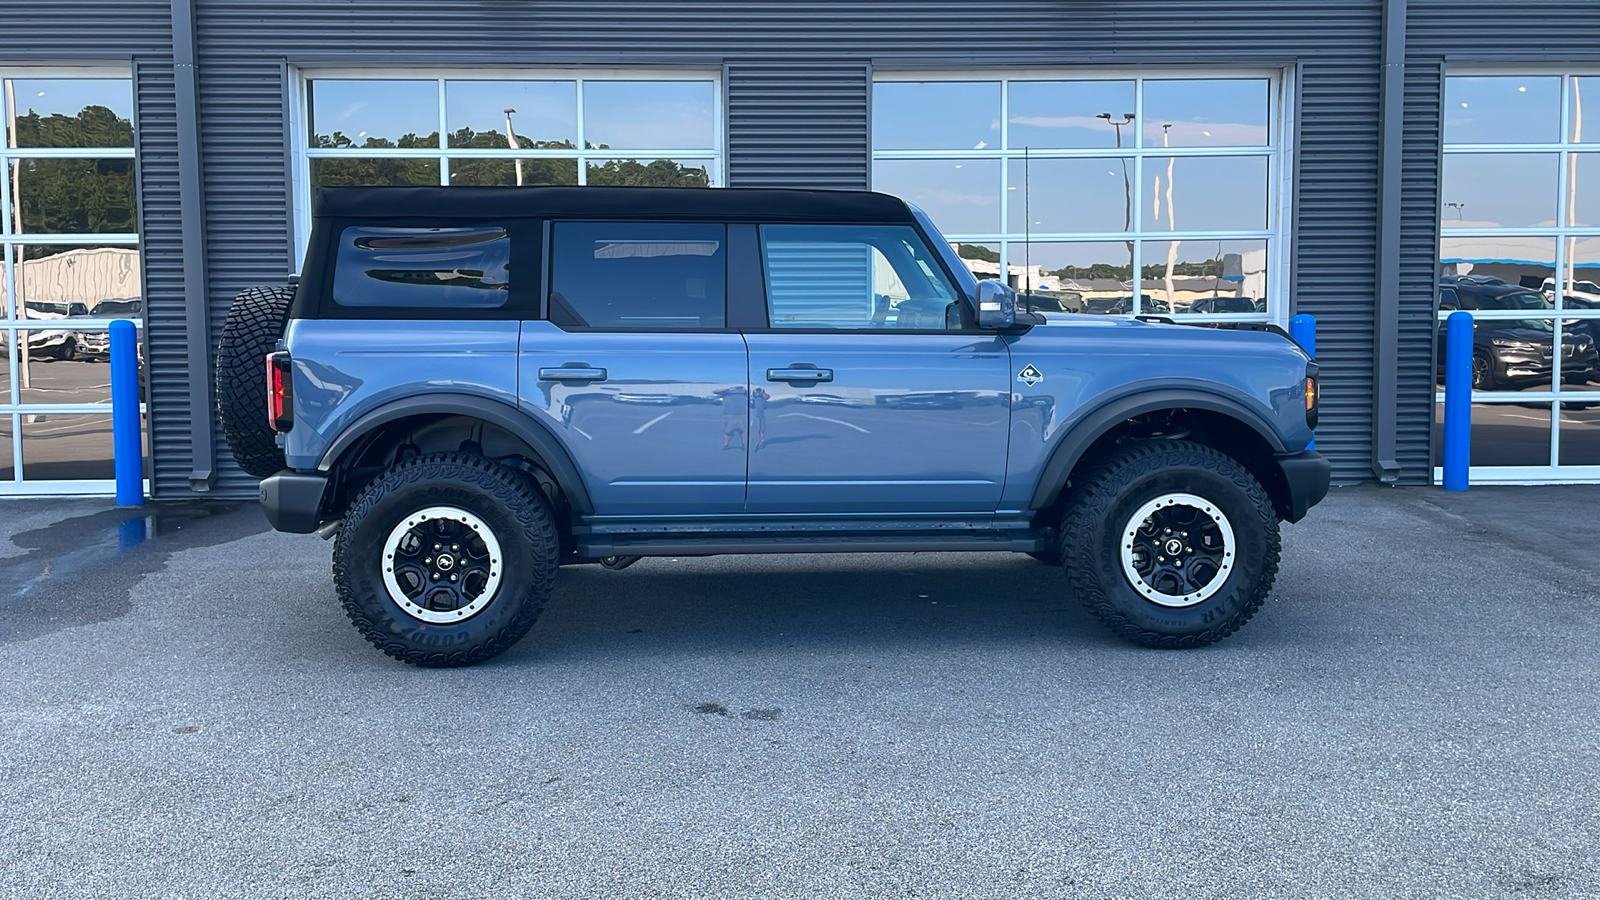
(1210, 112)
(634, 275)
(56, 368)
(8, 467)
(662, 115)
(7, 252)
(650, 172)
(432, 268)
(1580, 434)
(1080, 276)
(1065, 114)
(75, 196)
(1579, 363)
(72, 112)
(68, 280)
(982, 260)
(866, 277)
(1583, 188)
(1583, 89)
(542, 114)
(372, 114)
(1515, 109)
(1205, 277)
(1486, 190)
(1498, 272)
(8, 346)
(1205, 193)
(66, 447)
(936, 115)
(1508, 355)
(506, 172)
(346, 172)
(1581, 284)
(962, 196)
(1069, 195)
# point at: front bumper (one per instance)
(1306, 474)
(293, 500)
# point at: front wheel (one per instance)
(446, 560)
(1171, 544)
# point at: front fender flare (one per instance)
(531, 431)
(1088, 429)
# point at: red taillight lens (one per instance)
(280, 391)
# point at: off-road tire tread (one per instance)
(531, 512)
(255, 322)
(1091, 502)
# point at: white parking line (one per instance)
(641, 428)
(826, 419)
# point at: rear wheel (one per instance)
(446, 560)
(1482, 372)
(1171, 544)
(255, 322)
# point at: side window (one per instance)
(423, 268)
(1447, 299)
(855, 277)
(665, 276)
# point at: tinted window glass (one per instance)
(865, 276)
(421, 268)
(632, 275)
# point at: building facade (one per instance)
(1374, 163)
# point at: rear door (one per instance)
(867, 393)
(635, 367)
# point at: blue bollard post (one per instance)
(127, 448)
(1457, 399)
(1303, 328)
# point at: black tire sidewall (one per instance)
(526, 540)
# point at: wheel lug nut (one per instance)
(438, 547)
(455, 546)
(452, 578)
(428, 561)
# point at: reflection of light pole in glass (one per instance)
(1457, 207)
(1127, 189)
(1572, 186)
(1172, 246)
(511, 141)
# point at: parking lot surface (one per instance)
(185, 712)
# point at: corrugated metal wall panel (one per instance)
(1562, 31)
(77, 31)
(798, 124)
(1419, 267)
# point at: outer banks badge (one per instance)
(1030, 376)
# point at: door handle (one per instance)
(572, 373)
(800, 375)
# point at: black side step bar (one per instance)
(606, 545)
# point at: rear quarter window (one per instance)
(423, 268)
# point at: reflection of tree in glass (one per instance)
(93, 126)
(978, 252)
(74, 196)
(379, 171)
(469, 171)
(659, 173)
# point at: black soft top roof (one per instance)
(716, 204)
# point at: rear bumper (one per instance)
(293, 500)
(1307, 474)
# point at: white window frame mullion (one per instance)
(444, 139)
(583, 139)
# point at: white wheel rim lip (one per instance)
(453, 514)
(1230, 552)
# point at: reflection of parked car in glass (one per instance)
(1510, 352)
(1585, 294)
(1059, 301)
(1123, 305)
(97, 344)
(1223, 305)
(54, 344)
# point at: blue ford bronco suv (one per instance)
(470, 387)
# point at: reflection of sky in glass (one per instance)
(1209, 193)
(664, 115)
(1584, 97)
(1518, 109)
(961, 196)
(942, 115)
(1056, 255)
(1584, 208)
(66, 96)
(1480, 190)
(374, 109)
(1067, 195)
(1206, 113)
(1061, 114)
(545, 110)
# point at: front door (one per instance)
(866, 393)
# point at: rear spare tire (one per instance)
(255, 322)
(1171, 544)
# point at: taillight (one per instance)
(280, 391)
(1311, 401)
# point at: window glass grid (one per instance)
(1014, 246)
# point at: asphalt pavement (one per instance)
(185, 712)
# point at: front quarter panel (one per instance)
(1084, 363)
